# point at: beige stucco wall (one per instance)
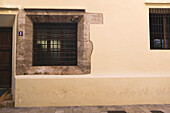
(85, 91)
(124, 69)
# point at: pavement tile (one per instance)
(33, 110)
(68, 110)
(85, 109)
(51, 110)
(95, 110)
(43, 109)
(77, 109)
(9, 110)
(2, 110)
(102, 108)
(61, 111)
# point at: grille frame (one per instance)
(159, 28)
(55, 32)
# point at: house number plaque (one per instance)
(20, 33)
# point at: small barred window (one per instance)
(159, 28)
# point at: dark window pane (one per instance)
(159, 28)
(55, 44)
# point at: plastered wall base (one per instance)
(36, 92)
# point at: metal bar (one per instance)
(61, 42)
(164, 23)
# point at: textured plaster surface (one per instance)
(91, 91)
(24, 43)
(122, 49)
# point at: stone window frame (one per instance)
(24, 57)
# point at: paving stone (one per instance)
(102, 108)
(94, 110)
(2, 110)
(85, 109)
(9, 110)
(17, 110)
(33, 111)
(68, 110)
(51, 110)
(116, 108)
(43, 109)
(62, 111)
(77, 109)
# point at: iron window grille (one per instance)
(159, 28)
(55, 44)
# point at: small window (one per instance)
(55, 44)
(159, 28)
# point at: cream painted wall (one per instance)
(121, 44)
(121, 53)
(86, 91)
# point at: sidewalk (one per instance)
(95, 109)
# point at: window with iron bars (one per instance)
(159, 28)
(55, 44)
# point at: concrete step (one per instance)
(8, 96)
(3, 96)
(7, 104)
(6, 99)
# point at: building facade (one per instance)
(85, 53)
